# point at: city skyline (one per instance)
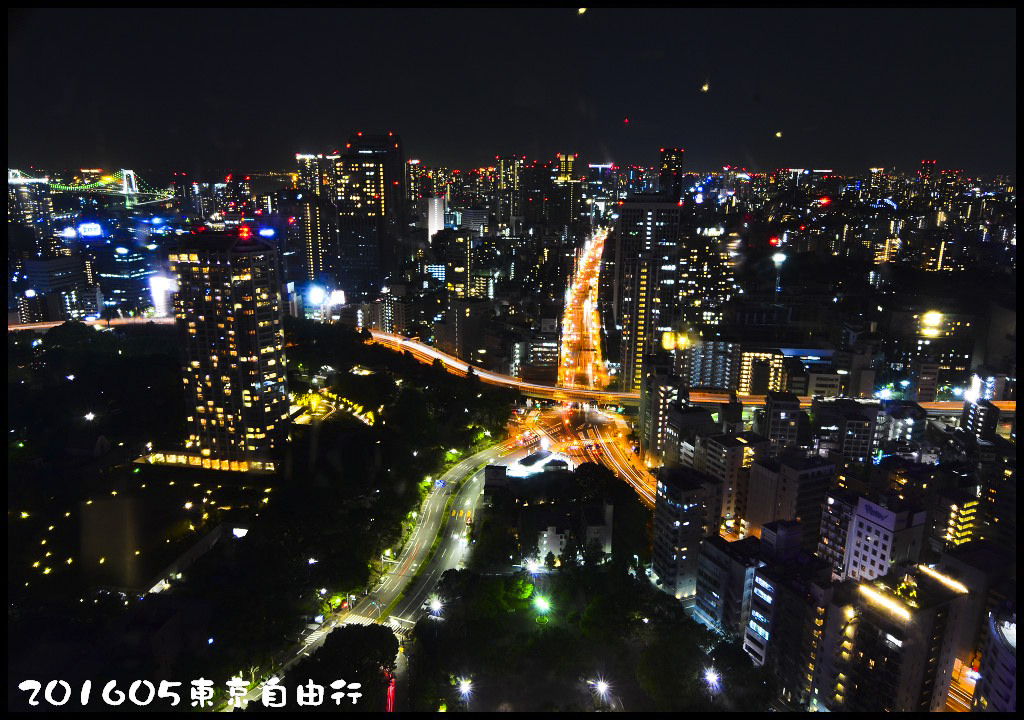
(724, 85)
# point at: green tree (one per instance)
(549, 561)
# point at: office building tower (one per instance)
(686, 510)
(319, 218)
(417, 182)
(666, 275)
(848, 427)
(54, 289)
(228, 310)
(725, 576)
(893, 651)
(508, 205)
(785, 612)
(728, 458)
(658, 392)
(988, 571)
(924, 375)
(999, 498)
(789, 488)
(955, 517)
(566, 164)
(682, 426)
(761, 372)
(30, 206)
(862, 539)
(708, 363)
(980, 418)
(671, 173)
(318, 174)
(461, 333)
(996, 690)
(123, 273)
(435, 208)
(370, 200)
(780, 420)
(458, 264)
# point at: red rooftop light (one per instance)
(245, 232)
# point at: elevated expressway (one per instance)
(427, 354)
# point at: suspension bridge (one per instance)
(124, 183)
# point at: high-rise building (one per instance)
(999, 498)
(847, 426)
(728, 458)
(761, 371)
(862, 539)
(890, 647)
(780, 421)
(671, 173)
(997, 687)
(319, 235)
(708, 363)
(55, 288)
(785, 612)
(789, 488)
(566, 163)
(657, 393)
(435, 215)
(924, 379)
(228, 310)
(725, 576)
(318, 174)
(30, 206)
(123, 273)
(686, 510)
(458, 264)
(980, 418)
(509, 200)
(371, 203)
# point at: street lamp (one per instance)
(713, 679)
(465, 689)
(778, 258)
(436, 605)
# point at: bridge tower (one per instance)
(129, 186)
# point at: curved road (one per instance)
(428, 354)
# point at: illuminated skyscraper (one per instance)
(29, 205)
(228, 312)
(889, 648)
(435, 215)
(668, 276)
(458, 261)
(509, 196)
(566, 162)
(318, 173)
(371, 177)
(671, 173)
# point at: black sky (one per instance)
(247, 89)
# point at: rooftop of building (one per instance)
(746, 550)
(732, 440)
(912, 589)
(684, 478)
(224, 240)
(984, 555)
(795, 461)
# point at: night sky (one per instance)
(246, 89)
